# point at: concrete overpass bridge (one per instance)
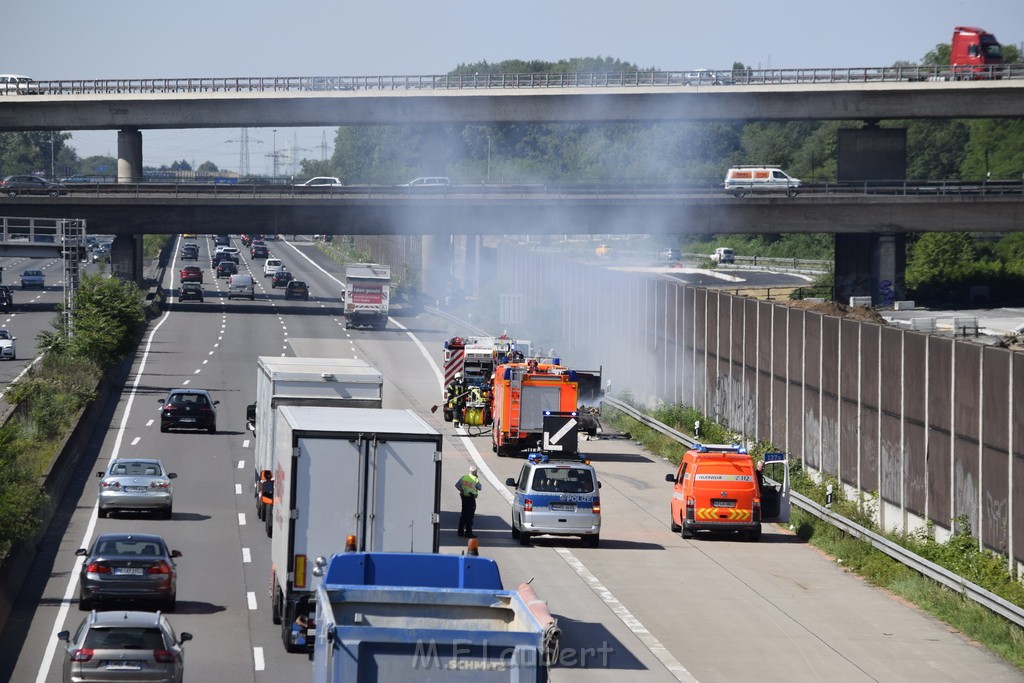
(873, 251)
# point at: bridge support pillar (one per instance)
(871, 265)
(471, 266)
(126, 258)
(436, 267)
(129, 155)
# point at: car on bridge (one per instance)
(7, 349)
(428, 183)
(321, 181)
(33, 277)
(15, 185)
(15, 84)
(191, 274)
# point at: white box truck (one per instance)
(371, 474)
(295, 381)
(366, 295)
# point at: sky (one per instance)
(101, 39)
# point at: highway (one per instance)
(646, 605)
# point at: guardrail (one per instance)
(714, 78)
(919, 564)
(612, 189)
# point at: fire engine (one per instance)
(521, 393)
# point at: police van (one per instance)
(557, 498)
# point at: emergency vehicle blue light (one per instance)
(699, 447)
(556, 361)
(537, 457)
(547, 412)
(572, 375)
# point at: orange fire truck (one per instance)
(521, 392)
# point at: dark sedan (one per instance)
(190, 291)
(226, 268)
(296, 289)
(188, 409)
(281, 279)
(128, 567)
(14, 185)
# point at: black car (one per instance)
(281, 279)
(190, 291)
(14, 185)
(189, 252)
(226, 267)
(260, 251)
(188, 409)
(221, 240)
(296, 289)
(122, 567)
(6, 299)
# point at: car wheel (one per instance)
(515, 531)
(594, 540)
(102, 513)
(261, 511)
(12, 193)
(171, 604)
(524, 538)
(754, 535)
(684, 532)
(268, 523)
(84, 604)
(163, 427)
(53, 193)
(672, 523)
(212, 429)
(167, 512)
(252, 297)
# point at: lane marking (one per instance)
(241, 519)
(246, 555)
(238, 489)
(257, 656)
(150, 423)
(250, 597)
(241, 464)
(245, 443)
(136, 440)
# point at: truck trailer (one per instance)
(403, 617)
(295, 381)
(366, 296)
(373, 474)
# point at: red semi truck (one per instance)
(973, 53)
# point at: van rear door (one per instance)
(775, 495)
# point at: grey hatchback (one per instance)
(124, 646)
(136, 484)
(135, 567)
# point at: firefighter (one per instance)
(531, 366)
(468, 487)
(455, 398)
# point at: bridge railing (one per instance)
(502, 81)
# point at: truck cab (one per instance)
(973, 53)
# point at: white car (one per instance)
(7, 350)
(272, 266)
(321, 181)
(230, 251)
(14, 84)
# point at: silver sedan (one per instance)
(136, 484)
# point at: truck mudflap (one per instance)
(541, 612)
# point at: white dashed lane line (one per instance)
(238, 489)
(241, 519)
(136, 440)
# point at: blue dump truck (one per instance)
(427, 617)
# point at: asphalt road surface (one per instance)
(647, 605)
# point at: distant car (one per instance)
(136, 484)
(81, 178)
(15, 84)
(226, 268)
(707, 77)
(33, 277)
(296, 289)
(321, 181)
(7, 349)
(259, 250)
(190, 252)
(230, 251)
(281, 279)
(221, 240)
(6, 299)
(271, 266)
(723, 255)
(188, 409)
(429, 182)
(101, 252)
(189, 235)
(14, 185)
(669, 255)
(128, 567)
(191, 274)
(190, 291)
(125, 644)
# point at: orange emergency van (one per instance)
(718, 488)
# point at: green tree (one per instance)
(207, 167)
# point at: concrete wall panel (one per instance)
(891, 459)
(914, 372)
(915, 482)
(890, 357)
(940, 373)
(965, 482)
(870, 340)
(996, 387)
(868, 454)
(939, 472)
(995, 501)
(849, 431)
(967, 378)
